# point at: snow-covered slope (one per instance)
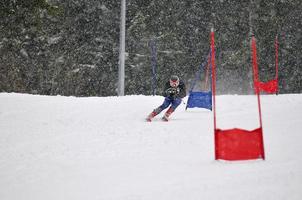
(100, 148)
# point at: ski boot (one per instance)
(167, 114)
(151, 116)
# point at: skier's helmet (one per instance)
(174, 81)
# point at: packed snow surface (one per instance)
(101, 148)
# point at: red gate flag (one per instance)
(271, 86)
(237, 144)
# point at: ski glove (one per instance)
(172, 92)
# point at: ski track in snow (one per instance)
(101, 148)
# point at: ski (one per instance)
(165, 118)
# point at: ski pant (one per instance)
(168, 100)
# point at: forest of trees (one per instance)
(71, 47)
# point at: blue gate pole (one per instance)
(153, 64)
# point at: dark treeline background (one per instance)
(71, 47)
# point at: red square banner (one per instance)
(239, 144)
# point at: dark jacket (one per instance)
(178, 92)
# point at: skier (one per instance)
(174, 91)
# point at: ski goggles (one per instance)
(174, 83)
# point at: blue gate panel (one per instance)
(200, 100)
